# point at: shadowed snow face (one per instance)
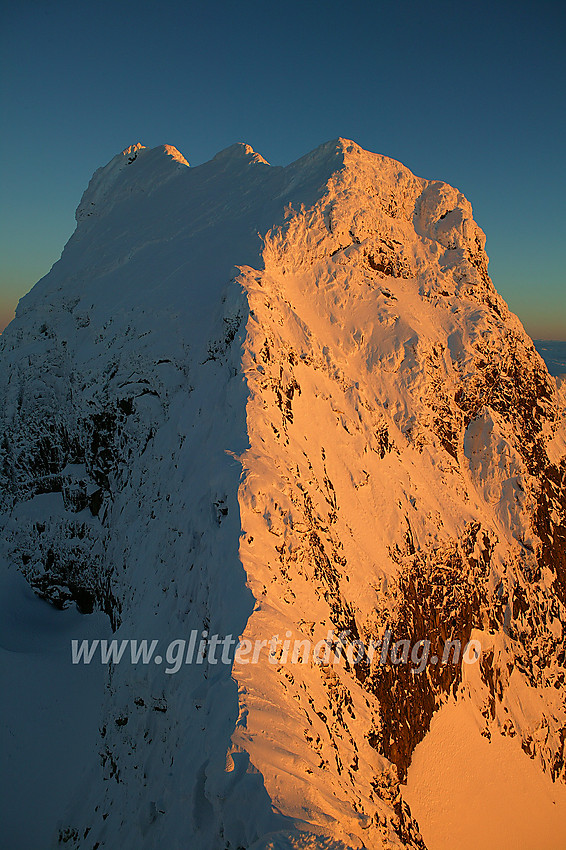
(250, 401)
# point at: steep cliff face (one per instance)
(286, 401)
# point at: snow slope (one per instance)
(475, 794)
(261, 401)
(51, 711)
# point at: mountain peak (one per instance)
(135, 169)
(288, 401)
(132, 150)
(131, 153)
(240, 151)
(175, 154)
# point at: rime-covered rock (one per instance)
(261, 401)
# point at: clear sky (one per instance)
(467, 92)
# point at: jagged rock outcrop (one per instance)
(281, 401)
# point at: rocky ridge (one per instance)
(259, 401)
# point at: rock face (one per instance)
(261, 401)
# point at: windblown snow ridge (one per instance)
(263, 401)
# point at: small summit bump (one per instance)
(131, 152)
(242, 151)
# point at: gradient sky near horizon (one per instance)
(469, 93)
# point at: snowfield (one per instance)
(257, 401)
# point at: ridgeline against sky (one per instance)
(336, 429)
(467, 93)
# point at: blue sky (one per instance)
(470, 93)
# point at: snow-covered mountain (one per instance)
(256, 401)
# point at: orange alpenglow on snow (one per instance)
(262, 401)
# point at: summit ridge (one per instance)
(255, 400)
